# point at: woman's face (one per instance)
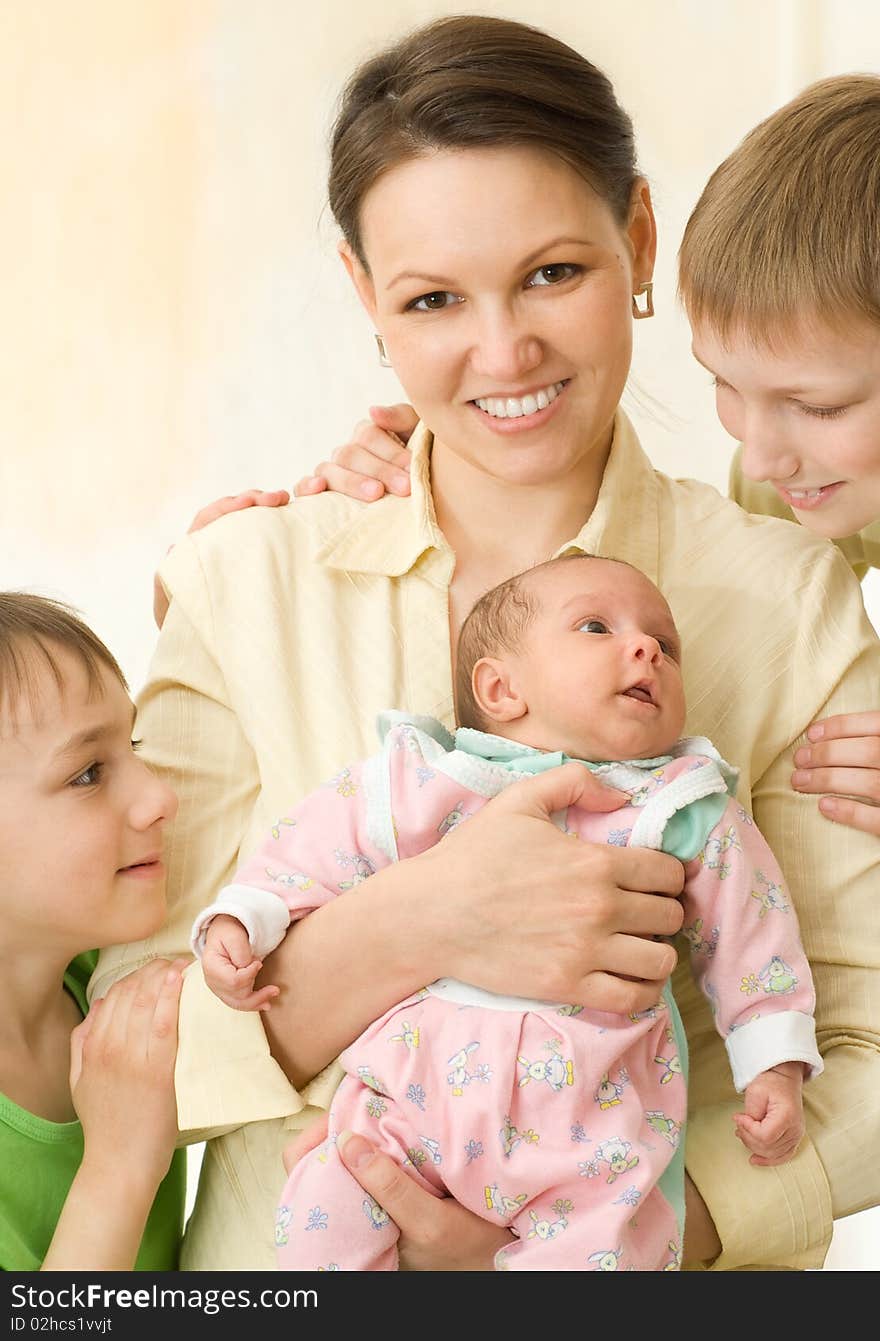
(502, 286)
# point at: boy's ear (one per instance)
(495, 691)
(641, 231)
(360, 278)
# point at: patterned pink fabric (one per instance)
(554, 1120)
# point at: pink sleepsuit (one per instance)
(565, 1124)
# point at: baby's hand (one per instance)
(230, 966)
(773, 1123)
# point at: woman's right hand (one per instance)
(374, 462)
(524, 909)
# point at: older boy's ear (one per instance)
(360, 277)
(495, 692)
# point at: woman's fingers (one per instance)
(843, 759)
(621, 996)
(862, 783)
(559, 788)
(845, 725)
(854, 814)
(304, 1141)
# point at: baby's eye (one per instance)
(433, 302)
(666, 647)
(89, 777)
(552, 274)
(593, 626)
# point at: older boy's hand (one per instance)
(230, 966)
(843, 758)
(773, 1122)
(122, 1072)
(375, 461)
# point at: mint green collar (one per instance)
(517, 758)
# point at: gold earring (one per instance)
(648, 310)
(383, 356)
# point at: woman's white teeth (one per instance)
(512, 408)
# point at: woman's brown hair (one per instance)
(473, 82)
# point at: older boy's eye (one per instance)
(89, 776)
(432, 302)
(136, 744)
(593, 626)
(552, 274)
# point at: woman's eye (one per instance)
(89, 776)
(552, 274)
(593, 626)
(432, 302)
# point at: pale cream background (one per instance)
(175, 323)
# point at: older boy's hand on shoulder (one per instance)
(376, 461)
(122, 1073)
(843, 758)
(773, 1122)
(230, 966)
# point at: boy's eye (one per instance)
(432, 302)
(89, 776)
(593, 626)
(552, 274)
(823, 411)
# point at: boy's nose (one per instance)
(154, 803)
(767, 453)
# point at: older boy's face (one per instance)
(600, 668)
(81, 818)
(807, 412)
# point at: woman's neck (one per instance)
(498, 528)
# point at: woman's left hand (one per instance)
(843, 759)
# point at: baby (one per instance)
(565, 1123)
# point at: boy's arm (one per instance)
(746, 953)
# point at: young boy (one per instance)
(88, 1175)
(510, 1106)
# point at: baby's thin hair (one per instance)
(787, 227)
(498, 623)
(32, 630)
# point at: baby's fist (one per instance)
(230, 966)
(773, 1122)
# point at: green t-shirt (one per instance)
(38, 1160)
(861, 551)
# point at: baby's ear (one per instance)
(495, 691)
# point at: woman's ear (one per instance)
(360, 278)
(495, 692)
(641, 231)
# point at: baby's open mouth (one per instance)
(640, 691)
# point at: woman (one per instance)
(501, 240)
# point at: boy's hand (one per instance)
(230, 966)
(252, 498)
(122, 1073)
(773, 1122)
(843, 758)
(376, 460)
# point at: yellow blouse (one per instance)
(290, 629)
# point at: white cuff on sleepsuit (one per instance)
(264, 917)
(789, 1036)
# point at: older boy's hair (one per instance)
(497, 623)
(32, 629)
(789, 225)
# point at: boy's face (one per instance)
(81, 817)
(600, 665)
(807, 412)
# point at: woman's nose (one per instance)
(504, 351)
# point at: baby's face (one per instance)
(600, 666)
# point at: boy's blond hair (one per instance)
(32, 629)
(788, 227)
